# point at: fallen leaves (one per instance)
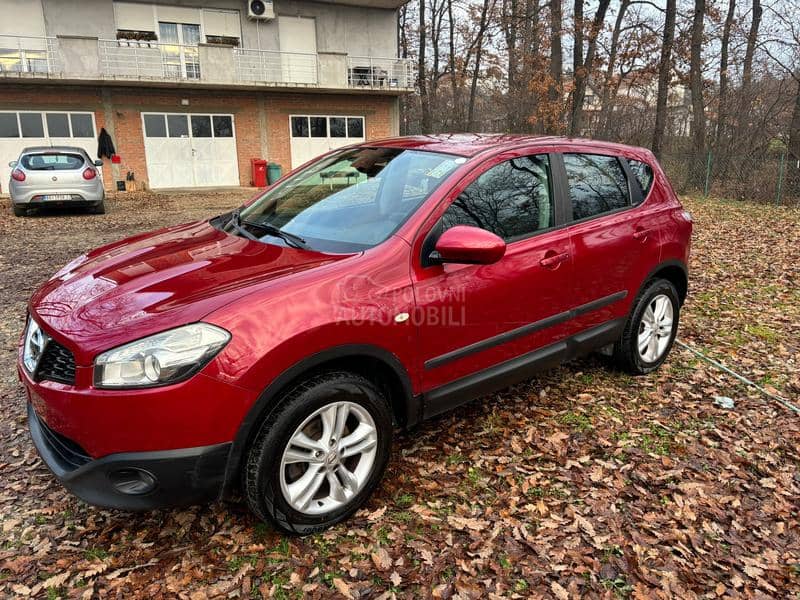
(582, 482)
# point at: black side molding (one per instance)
(518, 369)
(513, 334)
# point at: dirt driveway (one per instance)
(581, 482)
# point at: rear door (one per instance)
(472, 317)
(614, 236)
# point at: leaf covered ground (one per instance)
(582, 482)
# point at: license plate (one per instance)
(57, 197)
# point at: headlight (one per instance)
(33, 345)
(160, 359)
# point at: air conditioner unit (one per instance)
(260, 10)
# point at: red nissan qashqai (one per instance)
(276, 346)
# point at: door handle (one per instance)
(640, 234)
(553, 260)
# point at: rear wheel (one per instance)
(19, 211)
(318, 456)
(99, 208)
(650, 330)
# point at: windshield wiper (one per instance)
(236, 223)
(290, 238)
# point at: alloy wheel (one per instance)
(328, 458)
(655, 328)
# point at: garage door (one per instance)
(19, 129)
(313, 135)
(190, 150)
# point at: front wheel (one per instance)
(319, 455)
(650, 330)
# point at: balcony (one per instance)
(87, 59)
(22, 56)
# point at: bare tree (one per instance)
(581, 76)
(723, 73)
(422, 72)
(556, 60)
(488, 5)
(664, 76)
(696, 80)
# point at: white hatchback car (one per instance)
(55, 176)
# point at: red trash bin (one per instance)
(258, 172)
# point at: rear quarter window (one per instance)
(644, 175)
(52, 162)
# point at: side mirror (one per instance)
(98, 163)
(470, 245)
(12, 164)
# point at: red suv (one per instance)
(275, 347)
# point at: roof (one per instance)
(471, 144)
(35, 149)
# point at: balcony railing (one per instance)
(380, 73)
(90, 59)
(31, 55)
(148, 60)
(275, 67)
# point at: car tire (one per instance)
(99, 208)
(286, 448)
(19, 211)
(656, 312)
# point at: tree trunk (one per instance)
(582, 75)
(556, 62)
(752, 36)
(606, 104)
(723, 71)
(476, 71)
(425, 105)
(454, 83)
(664, 76)
(577, 46)
(794, 127)
(696, 83)
(510, 18)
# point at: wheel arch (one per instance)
(372, 362)
(673, 271)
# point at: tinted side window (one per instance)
(597, 184)
(511, 199)
(643, 173)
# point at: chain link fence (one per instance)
(772, 177)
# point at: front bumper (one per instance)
(133, 480)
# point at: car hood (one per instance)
(155, 281)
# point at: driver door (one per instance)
(475, 317)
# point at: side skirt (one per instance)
(502, 375)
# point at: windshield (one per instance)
(349, 201)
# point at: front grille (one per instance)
(56, 364)
(71, 454)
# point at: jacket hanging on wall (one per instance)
(105, 145)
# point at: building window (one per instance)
(299, 126)
(223, 126)
(57, 124)
(155, 126)
(355, 127)
(31, 125)
(9, 128)
(338, 127)
(319, 127)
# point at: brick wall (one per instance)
(127, 104)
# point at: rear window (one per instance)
(52, 162)
(644, 175)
